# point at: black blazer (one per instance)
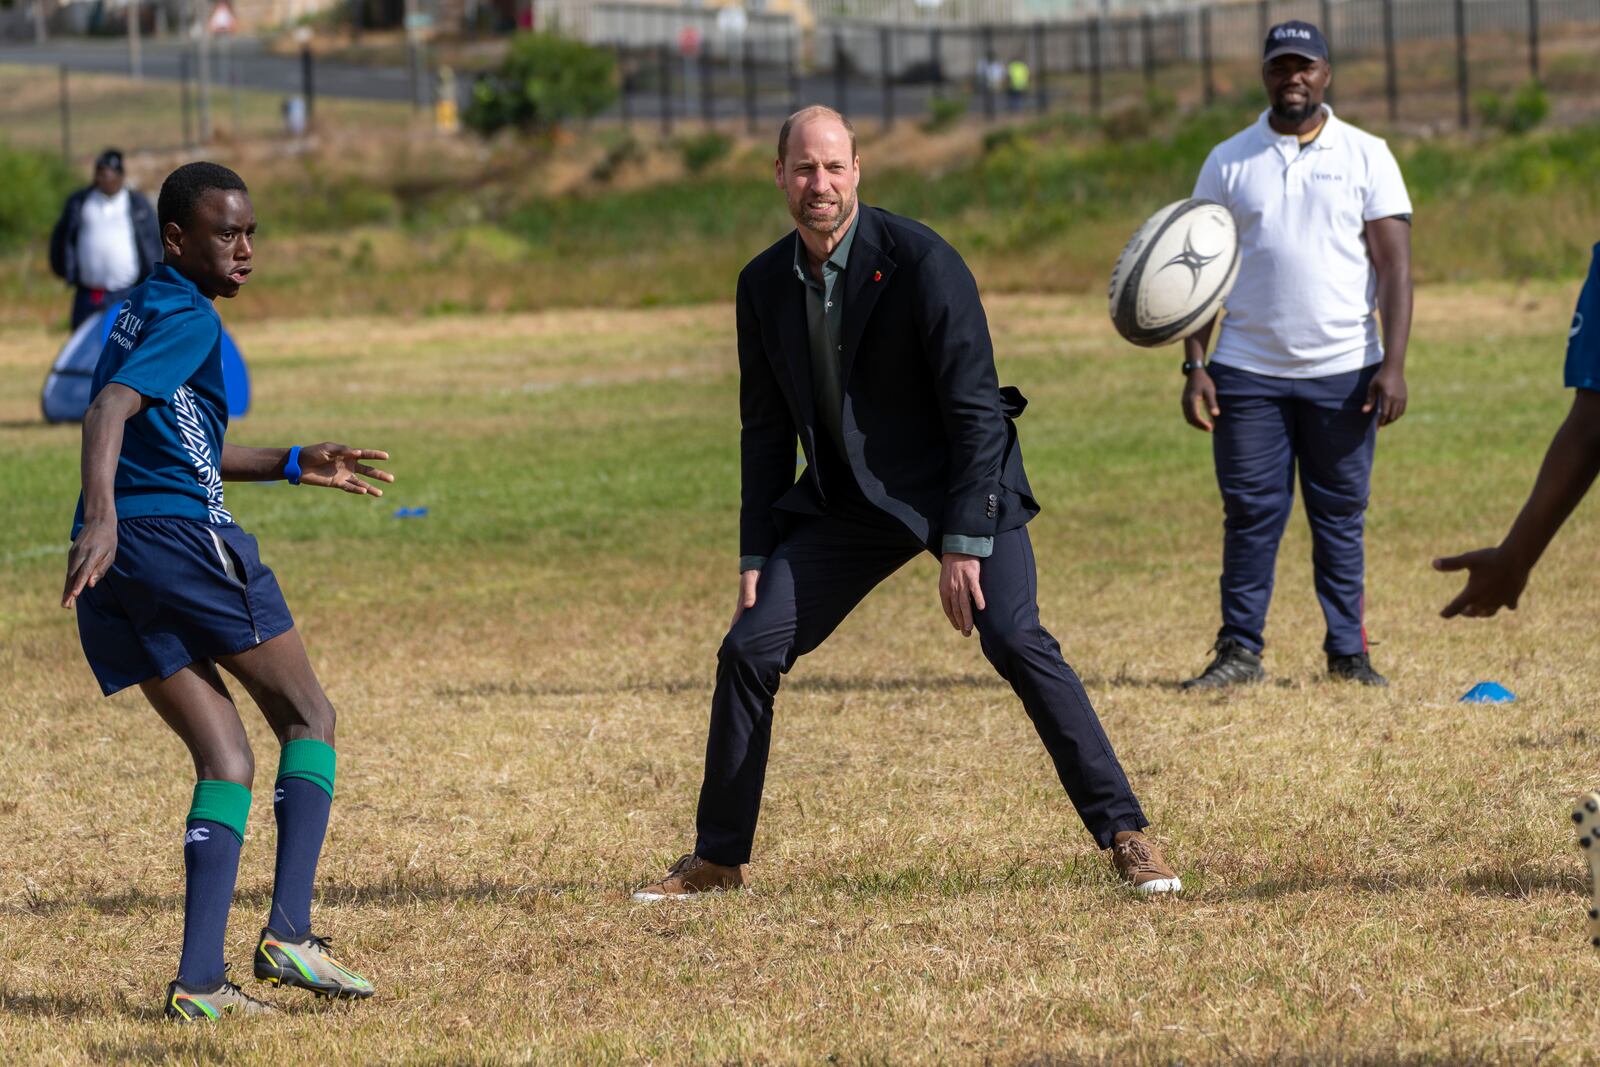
(926, 428)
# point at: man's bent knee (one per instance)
(741, 651)
(1003, 645)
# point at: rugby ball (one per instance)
(1174, 274)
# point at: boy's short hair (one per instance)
(185, 186)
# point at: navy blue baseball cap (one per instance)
(1295, 38)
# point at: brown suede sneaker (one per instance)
(691, 875)
(1141, 864)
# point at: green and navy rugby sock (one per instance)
(302, 798)
(213, 835)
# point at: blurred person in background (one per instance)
(106, 241)
(1018, 79)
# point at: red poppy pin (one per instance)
(877, 275)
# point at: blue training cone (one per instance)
(1488, 693)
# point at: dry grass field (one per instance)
(523, 678)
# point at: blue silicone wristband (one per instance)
(291, 466)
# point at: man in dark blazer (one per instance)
(862, 336)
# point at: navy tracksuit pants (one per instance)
(812, 581)
(1268, 428)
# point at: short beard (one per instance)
(1294, 116)
(847, 207)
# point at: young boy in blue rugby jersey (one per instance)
(168, 588)
(1496, 576)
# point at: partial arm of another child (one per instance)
(1496, 576)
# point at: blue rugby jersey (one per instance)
(166, 344)
(1583, 339)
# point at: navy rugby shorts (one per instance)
(179, 591)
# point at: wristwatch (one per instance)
(1193, 364)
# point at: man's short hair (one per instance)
(814, 111)
(185, 186)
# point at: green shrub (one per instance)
(33, 186)
(1520, 112)
(544, 81)
(1489, 106)
(701, 150)
(1529, 107)
(944, 112)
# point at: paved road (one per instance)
(257, 69)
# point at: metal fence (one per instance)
(1413, 62)
(981, 11)
(77, 112)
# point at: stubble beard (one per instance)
(1294, 115)
(827, 225)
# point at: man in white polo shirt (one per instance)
(106, 241)
(1311, 360)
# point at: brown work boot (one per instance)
(1141, 864)
(691, 875)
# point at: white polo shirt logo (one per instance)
(1305, 303)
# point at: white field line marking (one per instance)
(33, 553)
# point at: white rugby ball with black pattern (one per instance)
(1174, 274)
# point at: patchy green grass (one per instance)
(523, 678)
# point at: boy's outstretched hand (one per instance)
(1494, 580)
(337, 466)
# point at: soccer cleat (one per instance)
(306, 964)
(1356, 667)
(1234, 665)
(187, 1005)
(689, 876)
(1140, 863)
(1586, 816)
